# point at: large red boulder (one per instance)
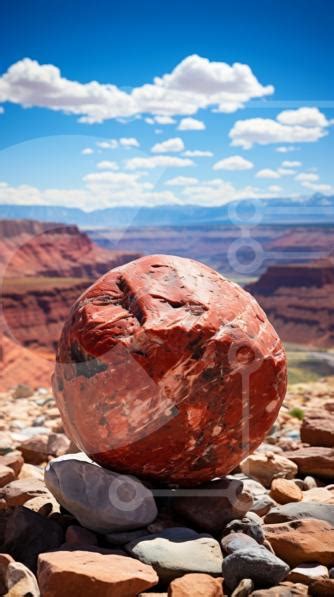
(167, 370)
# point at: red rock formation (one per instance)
(22, 365)
(299, 300)
(43, 269)
(29, 248)
(34, 309)
(165, 369)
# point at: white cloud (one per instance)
(197, 153)
(289, 164)
(158, 161)
(305, 117)
(129, 142)
(124, 188)
(87, 151)
(234, 162)
(307, 177)
(326, 189)
(193, 84)
(290, 126)
(218, 192)
(164, 120)
(160, 120)
(286, 148)
(191, 124)
(111, 144)
(174, 145)
(107, 189)
(181, 181)
(2, 110)
(267, 173)
(107, 165)
(116, 178)
(286, 171)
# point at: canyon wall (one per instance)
(299, 301)
(43, 269)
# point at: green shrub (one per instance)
(297, 412)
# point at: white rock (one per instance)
(307, 573)
(100, 500)
(21, 581)
(266, 467)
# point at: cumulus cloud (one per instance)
(305, 117)
(218, 192)
(193, 84)
(286, 171)
(158, 161)
(160, 120)
(181, 181)
(191, 124)
(307, 177)
(234, 162)
(174, 145)
(274, 188)
(107, 165)
(326, 189)
(304, 125)
(286, 148)
(127, 142)
(124, 188)
(108, 189)
(197, 153)
(111, 144)
(87, 151)
(267, 173)
(291, 164)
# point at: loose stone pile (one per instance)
(70, 528)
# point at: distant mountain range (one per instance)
(317, 209)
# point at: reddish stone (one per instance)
(92, 574)
(196, 585)
(318, 431)
(316, 461)
(167, 370)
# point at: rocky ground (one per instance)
(69, 528)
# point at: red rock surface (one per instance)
(92, 575)
(196, 585)
(153, 368)
(301, 541)
(318, 431)
(314, 460)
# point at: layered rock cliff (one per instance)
(29, 248)
(43, 270)
(299, 300)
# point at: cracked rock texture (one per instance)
(169, 371)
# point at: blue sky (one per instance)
(266, 128)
